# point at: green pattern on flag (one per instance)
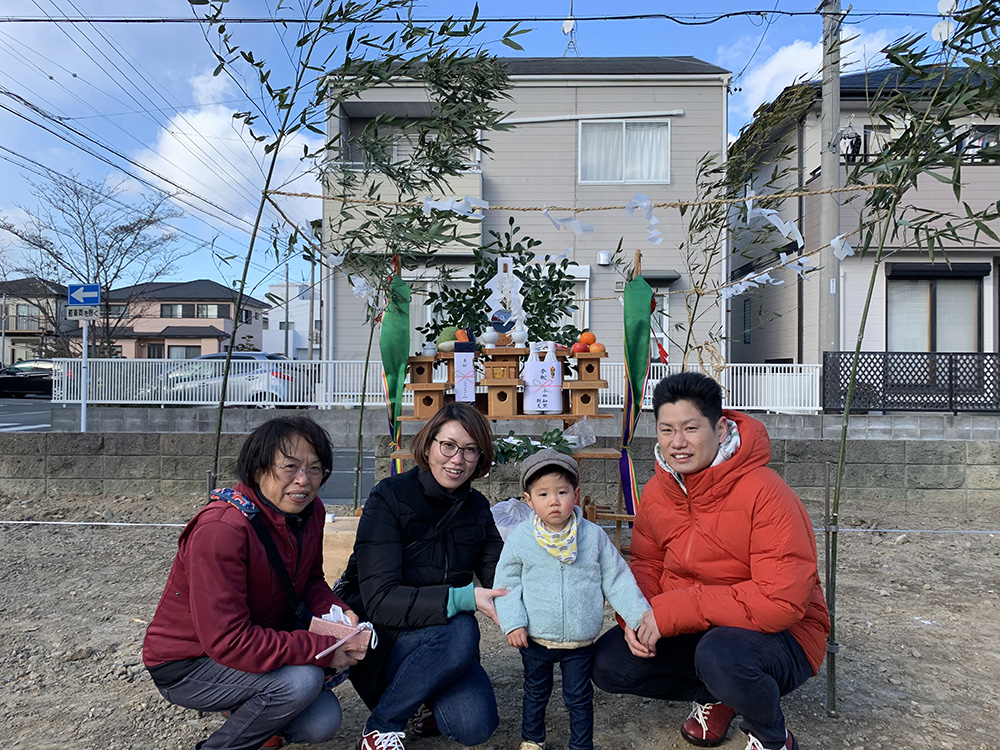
(394, 344)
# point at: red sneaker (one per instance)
(424, 724)
(376, 740)
(708, 724)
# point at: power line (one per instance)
(37, 168)
(694, 19)
(119, 77)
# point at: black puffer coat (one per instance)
(415, 541)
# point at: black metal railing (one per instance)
(913, 381)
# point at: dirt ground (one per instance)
(918, 621)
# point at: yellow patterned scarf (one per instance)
(560, 544)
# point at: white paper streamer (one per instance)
(841, 247)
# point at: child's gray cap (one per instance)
(547, 458)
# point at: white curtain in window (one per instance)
(908, 328)
(601, 152)
(957, 322)
(646, 152)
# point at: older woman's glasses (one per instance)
(449, 449)
(290, 471)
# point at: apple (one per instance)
(597, 348)
(579, 347)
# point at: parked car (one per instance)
(32, 377)
(253, 376)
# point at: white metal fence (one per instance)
(328, 383)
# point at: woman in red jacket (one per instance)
(226, 635)
(724, 551)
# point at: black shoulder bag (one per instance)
(303, 617)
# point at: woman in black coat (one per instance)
(424, 535)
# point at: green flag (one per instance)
(394, 344)
(638, 299)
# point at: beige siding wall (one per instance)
(778, 335)
(535, 164)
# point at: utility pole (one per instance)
(287, 306)
(829, 213)
(3, 331)
(312, 303)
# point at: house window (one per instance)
(977, 138)
(154, 351)
(246, 316)
(747, 320)
(213, 311)
(177, 311)
(941, 312)
(27, 318)
(183, 352)
(117, 312)
(625, 151)
(289, 326)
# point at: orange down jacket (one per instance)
(736, 550)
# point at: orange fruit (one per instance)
(597, 348)
(588, 337)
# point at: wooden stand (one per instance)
(501, 377)
(428, 396)
(583, 392)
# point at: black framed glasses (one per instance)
(449, 449)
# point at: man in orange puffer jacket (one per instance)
(725, 553)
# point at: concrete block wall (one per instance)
(174, 464)
(939, 465)
(936, 478)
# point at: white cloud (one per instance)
(213, 156)
(209, 88)
(801, 61)
(790, 64)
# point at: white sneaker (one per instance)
(790, 743)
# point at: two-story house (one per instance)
(182, 319)
(946, 304)
(32, 319)
(587, 132)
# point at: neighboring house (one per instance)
(182, 319)
(949, 305)
(588, 132)
(288, 330)
(32, 315)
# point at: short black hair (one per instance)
(472, 422)
(257, 454)
(545, 471)
(695, 387)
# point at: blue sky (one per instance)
(146, 90)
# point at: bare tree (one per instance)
(89, 232)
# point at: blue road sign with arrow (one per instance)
(84, 294)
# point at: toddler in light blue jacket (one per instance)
(559, 569)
